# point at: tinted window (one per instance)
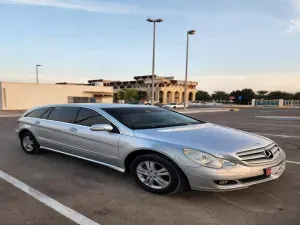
(149, 117)
(46, 114)
(89, 117)
(37, 113)
(64, 114)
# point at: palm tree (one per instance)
(262, 94)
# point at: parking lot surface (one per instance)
(110, 197)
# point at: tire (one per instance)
(32, 146)
(174, 107)
(174, 182)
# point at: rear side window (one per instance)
(89, 117)
(38, 113)
(46, 114)
(64, 114)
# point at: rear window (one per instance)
(38, 113)
(64, 114)
(149, 117)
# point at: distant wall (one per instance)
(20, 96)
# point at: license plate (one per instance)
(274, 170)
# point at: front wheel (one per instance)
(29, 143)
(157, 175)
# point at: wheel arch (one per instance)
(131, 156)
(23, 131)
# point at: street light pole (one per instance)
(37, 73)
(190, 32)
(154, 21)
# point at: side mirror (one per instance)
(102, 127)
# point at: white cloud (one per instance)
(270, 82)
(294, 24)
(86, 5)
(296, 4)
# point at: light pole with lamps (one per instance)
(37, 72)
(154, 21)
(190, 32)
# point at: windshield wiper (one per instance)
(194, 123)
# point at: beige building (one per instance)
(167, 90)
(20, 96)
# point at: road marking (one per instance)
(204, 111)
(289, 118)
(293, 162)
(55, 205)
(280, 110)
(264, 124)
(4, 122)
(279, 135)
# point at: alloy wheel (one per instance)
(153, 174)
(28, 143)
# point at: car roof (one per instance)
(97, 105)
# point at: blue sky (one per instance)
(239, 43)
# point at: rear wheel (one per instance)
(157, 175)
(29, 143)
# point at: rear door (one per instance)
(37, 124)
(101, 146)
(58, 132)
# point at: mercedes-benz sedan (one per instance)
(163, 150)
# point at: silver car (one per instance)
(164, 151)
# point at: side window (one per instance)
(64, 114)
(46, 114)
(89, 117)
(37, 113)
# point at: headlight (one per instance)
(206, 160)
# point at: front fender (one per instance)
(129, 144)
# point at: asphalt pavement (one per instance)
(106, 196)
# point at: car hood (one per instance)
(214, 139)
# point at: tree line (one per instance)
(246, 94)
(131, 95)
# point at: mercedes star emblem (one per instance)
(268, 154)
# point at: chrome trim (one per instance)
(258, 155)
(91, 160)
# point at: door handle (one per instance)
(73, 129)
(37, 122)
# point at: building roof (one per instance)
(143, 78)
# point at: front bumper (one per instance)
(240, 176)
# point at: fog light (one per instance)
(222, 182)
(225, 182)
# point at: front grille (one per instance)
(257, 156)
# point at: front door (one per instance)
(100, 146)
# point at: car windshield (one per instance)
(172, 103)
(149, 117)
